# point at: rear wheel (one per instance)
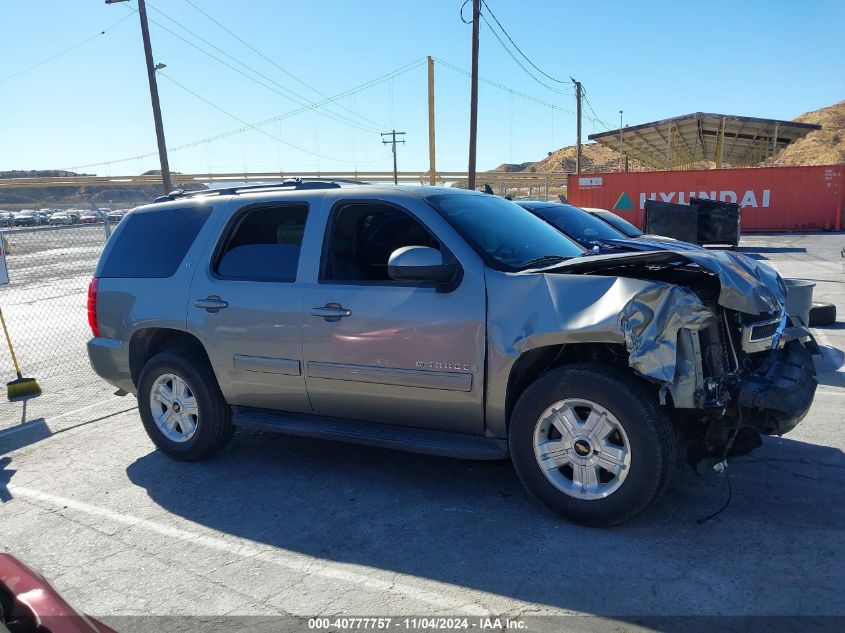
(181, 406)
(591, 443)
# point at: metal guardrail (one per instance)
(416, 177)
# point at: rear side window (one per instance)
(577, 223)
(263, 244)
(154, 243)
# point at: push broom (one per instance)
(21, 387)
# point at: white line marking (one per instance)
(28, 424)
(301, 564)
(819, 334)
(90, 406)
(830, 353)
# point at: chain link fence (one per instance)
(45, 306)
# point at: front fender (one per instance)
(554, 309)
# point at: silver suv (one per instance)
(446, 322)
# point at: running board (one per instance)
(403, 438)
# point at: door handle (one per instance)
(211, 304)
(331, 312)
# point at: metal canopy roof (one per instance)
(681, 142)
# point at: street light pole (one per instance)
(151, 76)
(620, 142)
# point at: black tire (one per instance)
(822, 314)
(650, 434)
(214, 426)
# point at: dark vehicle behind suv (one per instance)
(596, 234)
(619, 223)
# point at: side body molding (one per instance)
(444, 380)
(261, 364)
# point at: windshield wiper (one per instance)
(543, 259)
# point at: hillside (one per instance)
(49, 196)
(594, 157)
(820, 147)
(513, 167)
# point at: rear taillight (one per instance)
(92, 306)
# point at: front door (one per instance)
(385, 351)
(246, 307)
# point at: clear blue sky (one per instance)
(652, 59)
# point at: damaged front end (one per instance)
(709, 329)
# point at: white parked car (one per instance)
(59, 218)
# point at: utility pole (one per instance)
(432, 177)
(151, 75)
(473, 97)
(578, 124)
(392, 134)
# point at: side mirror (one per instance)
(419, 263)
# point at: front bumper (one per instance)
(779, 393)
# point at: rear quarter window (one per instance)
(153, 243)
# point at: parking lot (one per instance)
(292, 527)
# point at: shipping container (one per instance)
(772, 198)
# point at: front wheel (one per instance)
(590, 443)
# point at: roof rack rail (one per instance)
(291, 183)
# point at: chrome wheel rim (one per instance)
(174, 407)
(582, 449)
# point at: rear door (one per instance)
(246, 305)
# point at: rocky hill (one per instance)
(820, 147)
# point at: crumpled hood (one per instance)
(746, 285)
(667, 242)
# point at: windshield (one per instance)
(620, 224)
(577, 223)
(503, 233)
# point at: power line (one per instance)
(283, 91)
(525, 96)
(519, 50)
(461, 12)
(250, 125)
(274, 63)
(516, 59)
(597, 119)
(379, 80)
(360, 88)
(500, 86)
(66, 51)
(286, 92)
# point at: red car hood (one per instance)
(36, 601)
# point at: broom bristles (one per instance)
(23, 388)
